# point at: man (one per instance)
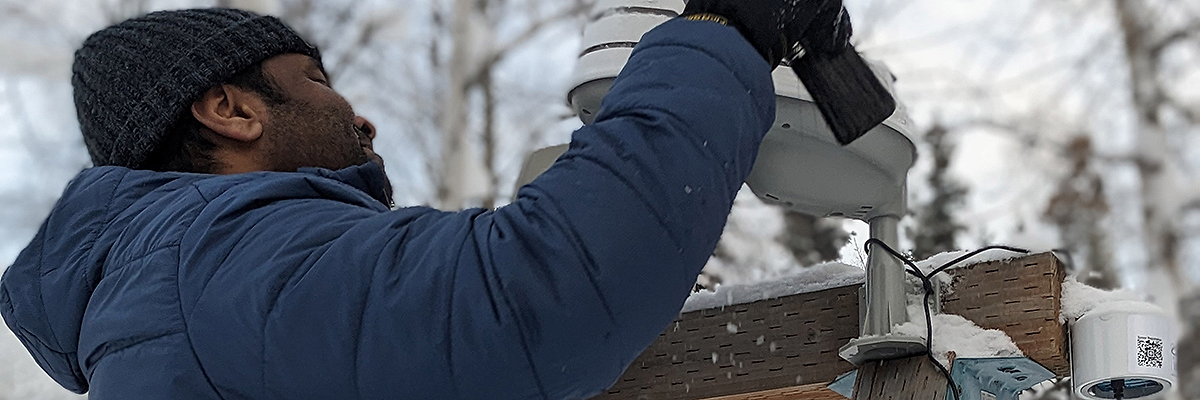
(235, 241)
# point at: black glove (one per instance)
(850, 97)
(775, 27)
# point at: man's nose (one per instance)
(365, 126)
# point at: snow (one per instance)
(944, 281)
(1129, 307)
(808, 280)
(937, 260)
(1079, 299)
(953, 333)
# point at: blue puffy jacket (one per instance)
(145, 285)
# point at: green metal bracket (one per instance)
(1000, 378)
(1003, 378)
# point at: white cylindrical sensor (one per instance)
(613, 29)
(1123, 350)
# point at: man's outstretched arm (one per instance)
(606, 245)
(550, 297)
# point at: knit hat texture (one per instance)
(133, 80)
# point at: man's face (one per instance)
(315, 126)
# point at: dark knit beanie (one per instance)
(133, 80)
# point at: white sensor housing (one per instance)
(1123, 350)
(800, 165)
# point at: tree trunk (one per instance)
(1189, 349)
(1159, 235)
(459, 175)
(489, 139)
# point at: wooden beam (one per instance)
(816, 391)
(745, 348)
(913, 378)
(1020, 297)
(772, 347)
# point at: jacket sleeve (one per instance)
(595, 258)
(549, 297)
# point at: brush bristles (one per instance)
(847, 92)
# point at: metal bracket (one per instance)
(844, 384)
(884, 347)
(1005, 378)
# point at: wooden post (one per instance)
(913, 378)
(787, 348)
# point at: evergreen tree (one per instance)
(1078, 208)
(810, 239)
(936, 227)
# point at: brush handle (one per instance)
(847, 92)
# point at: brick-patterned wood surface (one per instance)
(816, 391)
(769, 344)
(913, 378)
(777, 347)
(1021, 297)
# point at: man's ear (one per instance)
(231, 112)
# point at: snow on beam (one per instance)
(1020, 297)
(784, 340)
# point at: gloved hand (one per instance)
(775, 27)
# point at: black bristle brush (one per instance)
(846, 90)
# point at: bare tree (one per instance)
(468, 176)
(1165, 183)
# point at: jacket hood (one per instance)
(44, 294)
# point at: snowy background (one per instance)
(1070, 124)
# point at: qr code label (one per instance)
(1149, 352)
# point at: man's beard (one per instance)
(303, 136)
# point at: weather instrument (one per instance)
(1123, 350)
(858, 172)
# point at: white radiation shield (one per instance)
(800, 165)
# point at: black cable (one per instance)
(973, 254)
(927, 287)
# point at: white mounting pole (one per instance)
(886, 301)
